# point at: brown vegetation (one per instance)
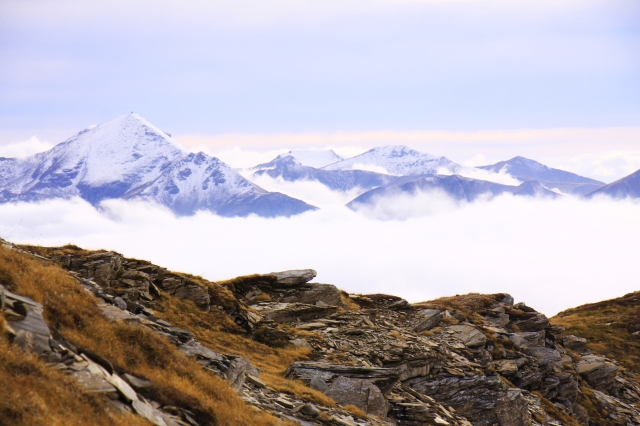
(177, 379)
(608, 327)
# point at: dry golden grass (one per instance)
(178, 380)
(348, 303)
(352, 409)
(36, 395)
(607, 326)
(272, 362)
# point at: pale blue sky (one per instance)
(296, 66)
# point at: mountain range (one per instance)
(529, 170)
(457, 187)
(129, 158)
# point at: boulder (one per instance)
(314, 294)
(429, 318)
(532, 322)
(31, 332)
(359, 392)
(186, 289)
(116, 314)
(527, 339)
(544, 355)
(597, 371)
(574, 343)
(294, 277)
(233, 368)
(469, 335)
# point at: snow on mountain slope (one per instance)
(530, 170)
(102, 162)
(129, 157)
(288, 168)
(397, 160)
(315, 157)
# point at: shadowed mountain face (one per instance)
(530, 170)
(396, 160)
(290, 169)
(128, 158)
(627, 187)
(458, 187)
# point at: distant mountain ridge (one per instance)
(627, 187)
(287, 167)
(458, 187)
(397, 160)
(315, 157)
(129, 158)
(525, 169)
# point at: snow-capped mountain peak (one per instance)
(315, 157)
(398, 160)
(129, 157)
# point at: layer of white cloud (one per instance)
(550, 254)
(312, 192)
(25, 148)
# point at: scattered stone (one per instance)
(136, 382)
(359, 392)
(116, 314)
(309, 410)
(576, 344)
(469, 335)
(430, 318)
(92, 382)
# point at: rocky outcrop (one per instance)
(468, 360)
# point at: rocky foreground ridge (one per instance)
(465, 360)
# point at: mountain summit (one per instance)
(128, 157)
(398, 160)
(530, 170)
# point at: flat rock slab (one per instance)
(359, 392)
(533, 322)
(429, 318)
(92, 382)
(544, 355)
(469, 335)
(116, 314)
(148, 412)
(294, 277)
(293, 312)
(383, 378)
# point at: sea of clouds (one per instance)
(552, 254)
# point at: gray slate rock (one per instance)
(469, 335)
(294, 277)
(361, 393)
(431, 318)
(383, 378)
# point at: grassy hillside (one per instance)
(32, 394)
(609, 328)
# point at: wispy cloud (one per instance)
(551, 254)
(25, 148)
